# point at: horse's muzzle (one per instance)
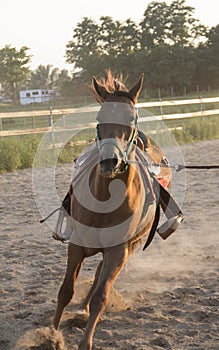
(108, 167)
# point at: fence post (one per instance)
(159, 96)
(172, 94)
(201, 107)
(33, 122)
(63, 118)
(51, 126)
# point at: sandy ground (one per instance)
(167, 295)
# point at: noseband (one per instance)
(124, 153)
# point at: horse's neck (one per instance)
(130, 179)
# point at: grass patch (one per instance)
(18, 152)
(195, 129)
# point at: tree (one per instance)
(118, 41)
(97, 47)
(109, 36)
(65, 84)
(168, 66)
(169, 37)
(13, 67)
(207, 68)
(157, 67)
(44, 77)
(170, 24)
(182, 66)
(83, 49)
(126, 57)
(184, 29)
(213, 45)
(49, 78)
(169, 45)
(154, 27)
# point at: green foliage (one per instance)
(69, 153)
(198, 129)
(9, 155)
(13, 66)
(17, 152)
(171, 24)
(28, 148)
(47, 77)
(44, 77)
(202, 129)
(169, 45)
(98, 46)
(84, 45)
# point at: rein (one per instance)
(176, 167)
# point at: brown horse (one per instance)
(118, 188)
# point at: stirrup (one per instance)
(62, 236)
(59, 234)
(170, 226)
(57, 237)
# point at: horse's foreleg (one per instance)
(84, 307)
(114, 259)
(75, 259)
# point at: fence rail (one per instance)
(56, 112)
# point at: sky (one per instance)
(46, 26)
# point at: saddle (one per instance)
(155, 155)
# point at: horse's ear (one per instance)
(136, 89)
(100, 90)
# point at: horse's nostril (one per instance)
(114, 162)
(108, 165)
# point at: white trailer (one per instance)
(35, 96)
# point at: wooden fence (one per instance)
(62, 112)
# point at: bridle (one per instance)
(124, 153)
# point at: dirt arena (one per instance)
(165, 298)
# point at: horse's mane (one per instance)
(111, 83)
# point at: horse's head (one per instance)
(117, 124)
